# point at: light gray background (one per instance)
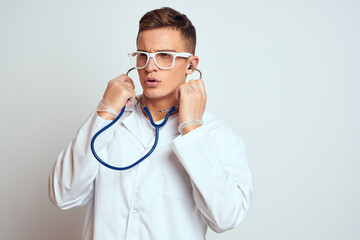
(284, 74)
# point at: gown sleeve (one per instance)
(71, 180)
(214, 157)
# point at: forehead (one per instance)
(161, 39)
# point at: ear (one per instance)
(192, 63)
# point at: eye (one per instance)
(164, 55)
(141, 55)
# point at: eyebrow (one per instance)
(160, 50)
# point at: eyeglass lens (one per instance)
(163, 60)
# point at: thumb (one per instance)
(177, 93)
(130, 101)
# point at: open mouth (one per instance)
(152, 81)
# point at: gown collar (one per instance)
(137, 123)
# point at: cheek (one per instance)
(175, 80)
(179, 75)
(142, 76)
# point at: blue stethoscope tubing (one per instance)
(156, 126)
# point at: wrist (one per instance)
(188, 129)
(106, 112)
(188, 126)
(105, 115)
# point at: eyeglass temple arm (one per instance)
(127, 73)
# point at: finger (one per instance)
(131, 92)
(127, 79)
(203, 90)
(182, 89)
(192, 81)
(129, 86)
(198, 85)
(192, 86)
(121, 80)
(131, 99)
(201, 83)
(177, 93)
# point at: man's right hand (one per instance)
(119, 91)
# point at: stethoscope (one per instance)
(156, 126)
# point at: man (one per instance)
(194, 179)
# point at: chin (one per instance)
(157, 94)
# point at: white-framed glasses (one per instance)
(163, 60)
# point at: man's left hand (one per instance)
(192, 100)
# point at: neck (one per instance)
(157, 105)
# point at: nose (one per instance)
(151, 66)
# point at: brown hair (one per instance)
(170, 18)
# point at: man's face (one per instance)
(167, 80)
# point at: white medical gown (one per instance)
(188, 183)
